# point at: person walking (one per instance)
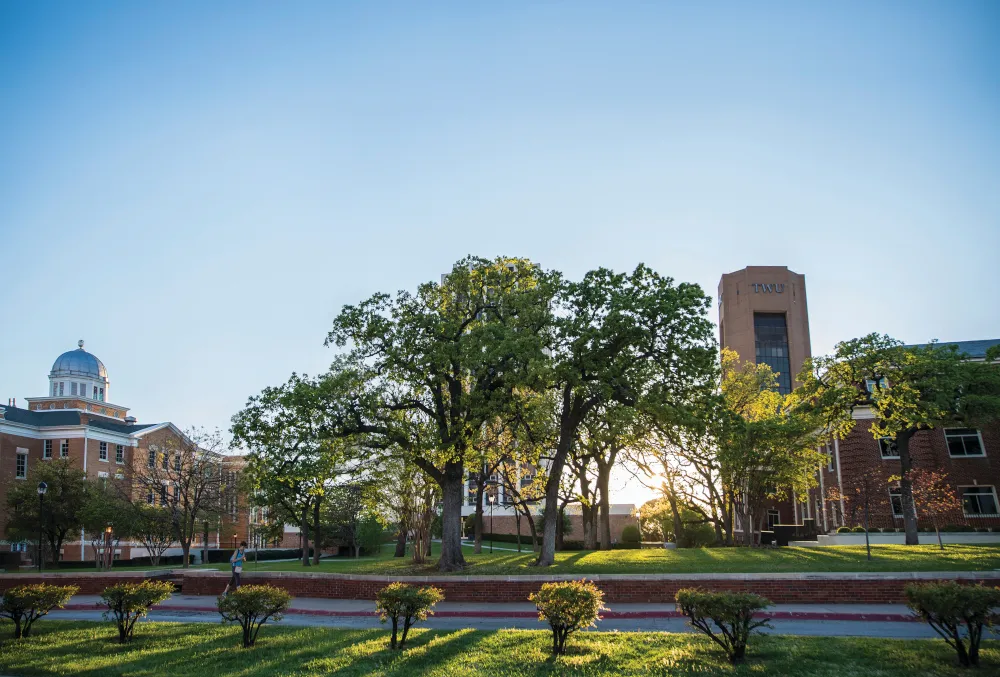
(237, 563)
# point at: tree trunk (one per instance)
(604, 491)
(568, 424)
(477, 526)
(316, 532)
(204, 544)
(676, 516)
(517, 527)
(868, 545)
(451, 519)
(400, 544)
(589, 535)
(906, 487)
(305, 536)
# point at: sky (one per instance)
(196, 189)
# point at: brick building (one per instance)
(76, 421)
(763, 316)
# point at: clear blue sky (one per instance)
(196, 189)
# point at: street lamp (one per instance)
(234, 540)
(108, 551)
(42, 488)
(492, 499)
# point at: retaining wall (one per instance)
(814, 588)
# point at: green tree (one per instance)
(764, 444)
(290, 463)
(636, 340)
(60, 509)
(906, 388)
(152, 526)
(105, 506)
(433, 367)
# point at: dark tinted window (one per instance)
(771, 336)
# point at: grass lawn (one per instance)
(76, 648)
(693, 560)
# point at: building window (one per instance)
(72, 389)
(896, 500)
(771, 340)
(95, 393)
(61, 384)
(102, 475)
(64, 449)
(150, 496)
(152, 459)
(103, 446)
(47, 449)
(119, 453)
(177, 462)
(166, 461)
(773, 517)
(101, 395)
(83, 390)
(979, 501)
(887, 447)
(964, 442)
(21, 470)
(163, 495)
(54, 391)
(870, 384)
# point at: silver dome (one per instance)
(79, 363)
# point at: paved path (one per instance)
(884, 620)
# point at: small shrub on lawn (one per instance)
(956, 612)
(568, 607)
(128, 602)
(25, 604)
(731, 612)
(630, 534)
(400, 601)
(251, 606)
(858, 530)
(843, 530)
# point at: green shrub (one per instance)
(128, 602)
(251, 606)
(954, 528)
(858, 530)
(25, 604)
(630, 534)
(844, 530)
(948, 607)
(412, 604)
(731, 612)
(567, 607)
(874, 530)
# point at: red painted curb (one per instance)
(777, 615)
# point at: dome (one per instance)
(79, 363)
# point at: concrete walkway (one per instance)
(868, 620)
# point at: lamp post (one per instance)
(108, 551)
(492, 499)
(234, 540)
(42, 488)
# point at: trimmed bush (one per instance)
(567, 607)
(844, 530)
(630, 534)
(251, 606)
(858, 530)
(128, 602)
(732, 613)
(412, 604)
(950, 607)
(25, 604)
(873, 530)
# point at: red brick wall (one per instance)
(89, 584)
(660, 590)
(929, 450)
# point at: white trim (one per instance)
(75, 431)
(979, 434)
(840, 481)
(979, 486)
(21, 452)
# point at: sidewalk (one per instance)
(307, 606)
